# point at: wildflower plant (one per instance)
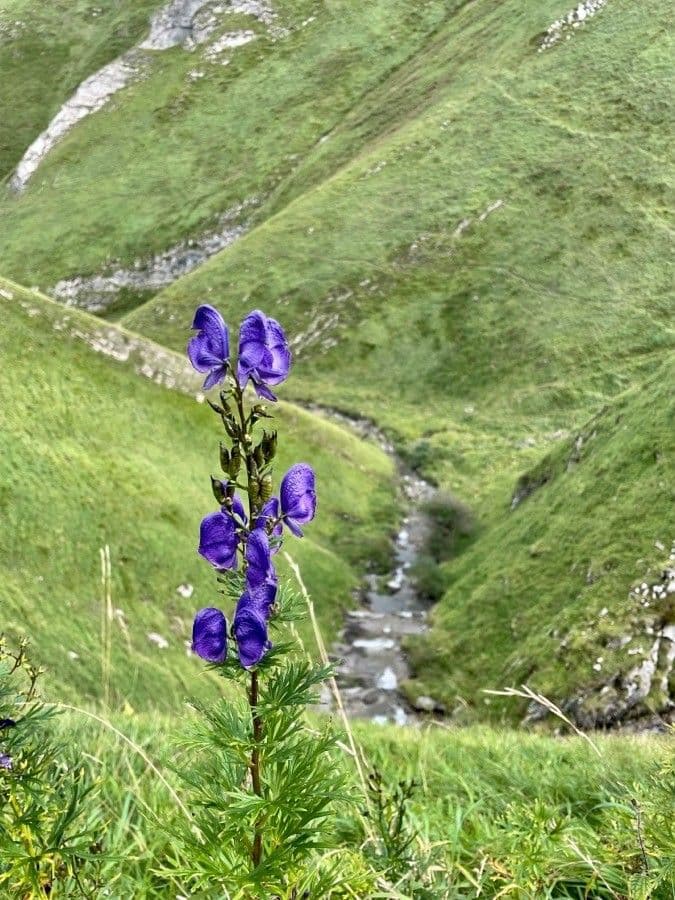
(265, 784)
(49, 825)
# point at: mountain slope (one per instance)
(572, 590)
(46, 50)
(233, 122)
(94, 454)
(491, 242)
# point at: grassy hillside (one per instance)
(46, 50)
(468, 240)
(487, 228)
(232, 133)
(93, 454)
(544, 595)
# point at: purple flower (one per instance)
(250, 629)
(269, 514)
(238, 508)
(218, 540)
(260, 599)
(209, 635)
(5, 761)
(7, 723)
(264, 356)
(298, 497)
(210, 349)
(258, 559)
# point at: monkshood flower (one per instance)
(264, 355)
(5, 761)
(259, 568)
(209, 350)
(7, 723)
(250, 630)
(270, 520)
(209, 635)
(298, 497)
(218, 540)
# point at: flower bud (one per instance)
(269, 446)
(225, 460)
(215, 407)
(230, 427)
(253, 491)
(224, 395)
(265, 488)
(235, 461)
(259, 456)
(219, 489)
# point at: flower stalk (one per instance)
(232, 534)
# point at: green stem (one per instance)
(256, 854)
(247, 444)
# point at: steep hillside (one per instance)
(234, 116)
(572, 590)
(460, 213)
(46, 50)
(487, 261)
(94, 454)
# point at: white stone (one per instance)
(426, 704)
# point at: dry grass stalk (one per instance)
(527, 693)
(354, 751)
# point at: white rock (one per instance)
(400, 717)
(424, 703)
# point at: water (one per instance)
(371, 663)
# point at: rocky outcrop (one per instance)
(89, 97)
(564, 26)
(180, 23)
(643, 690)
(96, 293)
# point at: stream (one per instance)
(369, 657)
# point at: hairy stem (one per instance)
(256, 854)
(245, 438)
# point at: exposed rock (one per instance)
(527, 484)
(89, 97)
(177, 24)
(96, 293)
(562, 27)
(173, 25)
(425, 704)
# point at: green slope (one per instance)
(544, 596)
(46, 50)
(480, 256)
(231, 134)
(93, 454)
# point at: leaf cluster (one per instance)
(303, 787)
(48, 822)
